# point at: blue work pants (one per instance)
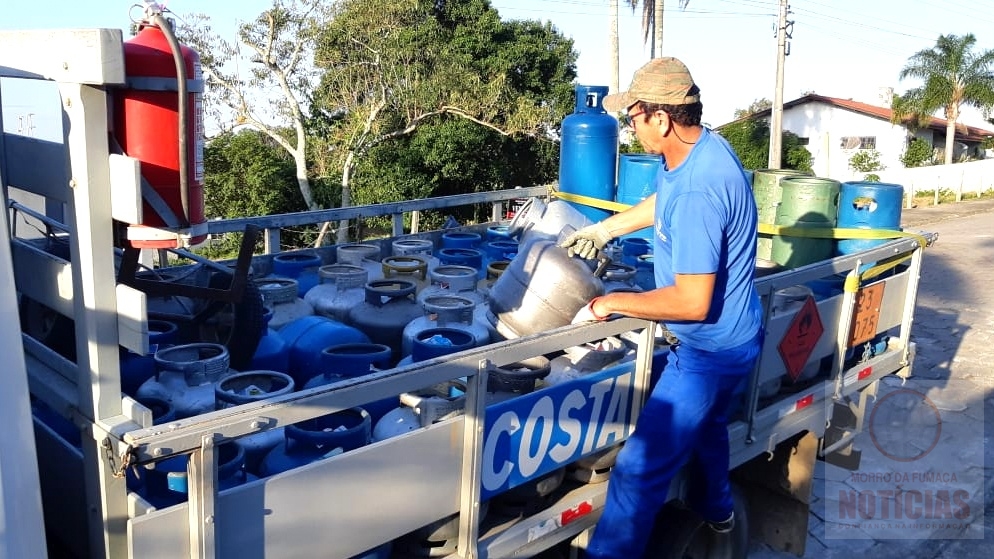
(686, 414)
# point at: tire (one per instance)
(680, 533)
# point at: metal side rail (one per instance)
(438, 455)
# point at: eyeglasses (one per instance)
(629, 119)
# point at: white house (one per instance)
(834, 129)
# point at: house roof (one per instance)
(963, 132)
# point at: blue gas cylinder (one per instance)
(167, 485)
(436, 342)
(460, 239)
(470, 257)
(272, 353)
(301, 266)
(645, 272)
(307, 336)
(499, 250)
(321, 437)
(868, 205)
(588, 156)
(137, 368)
(344, 361)
(498, 232)
(637, 181)
(632, 248)
(349, 361)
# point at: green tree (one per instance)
(953, 75)
(451, 155)
(866, 161)
(392, 66)
(756, 106)
(918, 153)
(750, 138)
(247, 173)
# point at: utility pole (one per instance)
(784, 30)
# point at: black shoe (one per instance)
(723, 526)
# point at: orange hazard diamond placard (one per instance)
(801, 338)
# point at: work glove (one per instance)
(587, 315)
(587, 242)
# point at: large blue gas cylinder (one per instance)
(339, 362)
(318, 438)
(637, 181)
(868, 205)
(588, 155)
(272, 353)
(307, 336)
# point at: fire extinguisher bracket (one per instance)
(145, 83)
(154, 237)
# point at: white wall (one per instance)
(825, 125)
(969, 178)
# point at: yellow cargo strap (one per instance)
(852, 282)
(608, 205)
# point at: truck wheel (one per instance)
(681, 533)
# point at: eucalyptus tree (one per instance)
(264, 79)
(953, 74)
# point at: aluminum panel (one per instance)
(335, 508)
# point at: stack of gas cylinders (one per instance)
(331, 317)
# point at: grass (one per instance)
(924, 198)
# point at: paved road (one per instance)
(943, 416)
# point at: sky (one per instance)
(838, 48)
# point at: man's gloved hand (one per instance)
(587, 242)
(587, 314)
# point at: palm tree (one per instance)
(952, 75)
(652, 12)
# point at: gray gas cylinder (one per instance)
(388, 307)
(542, 289)
(252, 386)
(280, 294)
(423, 248)
(342, 287)
(185, 377)
(620, 277)
(366, 255)
(413, 268)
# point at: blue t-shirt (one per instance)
(705, 222)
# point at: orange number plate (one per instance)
(866, 315)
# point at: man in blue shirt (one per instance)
(704, 220)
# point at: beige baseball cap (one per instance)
(663, 80)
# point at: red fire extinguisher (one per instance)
(148, 117)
